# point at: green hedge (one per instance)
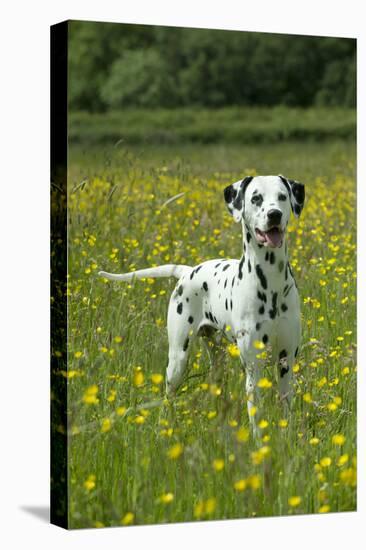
(227, 125)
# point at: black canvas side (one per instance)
(59, 478)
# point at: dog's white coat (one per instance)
(249, 300)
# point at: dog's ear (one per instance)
(234, 197)
(296, 191)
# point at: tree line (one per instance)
(114, 66)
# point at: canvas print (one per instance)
(203, 288)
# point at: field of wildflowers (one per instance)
(135, 458)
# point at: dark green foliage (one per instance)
(119, 65)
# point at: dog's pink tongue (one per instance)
(274, 237)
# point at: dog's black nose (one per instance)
(274, 216)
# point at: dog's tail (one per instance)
(168, 270)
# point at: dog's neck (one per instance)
(273, 261)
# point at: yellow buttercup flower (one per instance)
(166, 498)
(324, 509)
(233, 350)
(106, 425)
(204, 508)
(240, 485)
(257, 344)
(342, 460)
(89, 483)
(157, 378)
(218, 464)
(138, 377)
(175, 451)
(264, 383)
(338, 439)
(294, 501)
(90, 395)
(325, 462)
(254, 482)
(128, 518)
(242, 435)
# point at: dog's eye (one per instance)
(282, 197)
(257, 199)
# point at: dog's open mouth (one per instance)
(273, 237)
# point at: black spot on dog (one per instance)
(262, 296)
(257, 326)
(215, 273)
(180, 290)
(296, 352)
(192, 274)
(205, 286)
(288, 288)
(217, 265)
(248, 237)
(233, 281)
(198, 268)
(216, 321)
(225, 283)
(241, 267)
(292, 274)
(265, 339)
(272, 258)
(231, 304)
(283, 371)
(266, 256)
(190, 319)
(180, 308)
(249, 266)
(257, 199)
(207, 315)
(261, 276)
(237, 202)
(273, 311)
(226, 267)
(284, 307)
(261, 310)
(187, 299)
(283, 354)
(185, 347)
(230, 193)
(298, 191)
(211, 317)
(281, 265)
(226, 304)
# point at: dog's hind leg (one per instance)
(182, 328)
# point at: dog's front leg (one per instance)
(285, 366)
(253, 371)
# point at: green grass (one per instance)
(244, 125)
(116, 223)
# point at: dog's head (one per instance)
(265, 204)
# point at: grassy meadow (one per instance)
(135, 458)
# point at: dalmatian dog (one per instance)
(249, 300)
